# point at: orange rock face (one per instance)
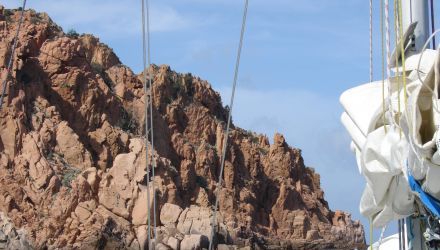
(72, 157)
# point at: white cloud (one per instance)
(302, 114)
(280, 5)
(109, 18)
(309, 121)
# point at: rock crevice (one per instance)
(72, 158)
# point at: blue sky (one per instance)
(298, 57)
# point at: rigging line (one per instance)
(387, 38)
(388, 49)
(153, 160)
(144, 57)
(371, 41)
(11, 58)
(383, 65)
(382, 233)
(397, 75)
(400, 234)
(222, 165)
(402, 51)
(422, 228)
(404, 238)
(400, 76)
(432, 23)
(371, 232)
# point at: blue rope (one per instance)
(430, 202)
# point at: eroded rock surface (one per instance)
(72, 158)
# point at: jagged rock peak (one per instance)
(72, 157)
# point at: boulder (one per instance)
(72, 150)
(194, 242)
(161, 246)
(142, 206)
(224, 247)
(169, 214)
(195, 220)
(173, 243)
(73, 157)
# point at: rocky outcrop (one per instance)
(10, 237)
(72, 158)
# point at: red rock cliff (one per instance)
(72, 161)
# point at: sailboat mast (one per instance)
(416, 11)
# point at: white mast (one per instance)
(416, 11)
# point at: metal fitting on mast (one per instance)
(416, 11)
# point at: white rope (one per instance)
(151, 121)
(390, 113)
(222, 165)
(418, 67)
(382, 233)
(11, 58)
(387, 38)
(382, 50)
(388, 56)
(371, 41)
(432, 91)
(146, 102)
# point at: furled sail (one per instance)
(400, 144)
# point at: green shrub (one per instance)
(8, 15)
(251, 136)
(99, 69)
(126, 122)
(65, 85)
(263, 151)
(35, 20)
(7, 12)
(72, 33)
(177, 87)
(68, 176)
(50, 156)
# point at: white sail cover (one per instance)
(390, 242)
(401, 141)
